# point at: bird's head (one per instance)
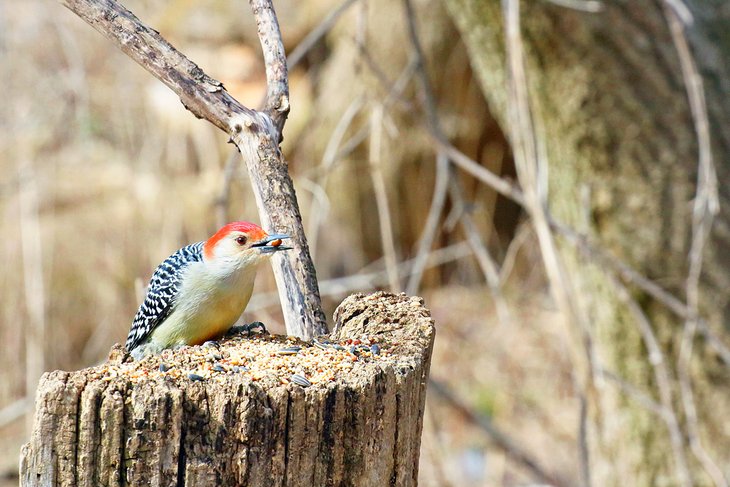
(244, 242)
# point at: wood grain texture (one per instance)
(362, 429)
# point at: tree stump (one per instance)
(255, 410)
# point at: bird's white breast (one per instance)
(209, 302)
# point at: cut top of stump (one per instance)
(248, 410)
(369, 333)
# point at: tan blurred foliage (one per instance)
(105, 174)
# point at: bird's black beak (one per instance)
(271, 243)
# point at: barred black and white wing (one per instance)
(161, 293)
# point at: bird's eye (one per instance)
(241, 240)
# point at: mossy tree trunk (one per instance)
(608, 91)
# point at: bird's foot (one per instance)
(248, 328)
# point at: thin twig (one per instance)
(202, 95)
(510, 256)
(531, 165)
(583, 446)
(316, 212)
(485, 260)
(277, 78)
(256, 134)
(15, 410)
(34, 286)
(681, 10)
(381, 198)
(429, 100)
(375, 279)
(363, 280)
(594, 252)
(441, 186)
(317, 33)
(395, 95)
(319, 210)
(591, 6)
(502, 186)
(587, 246)
(336, 151)
(646, 401)
(706, 205)
(481, 252)
(509, 446)
(663, 381)
(584, 244)
(443, 171)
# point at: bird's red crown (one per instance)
(253, 231)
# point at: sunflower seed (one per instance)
(289, 350)
(300, 380)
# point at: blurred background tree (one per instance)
(585, 371)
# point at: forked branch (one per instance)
(256, 134)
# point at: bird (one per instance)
(201, 290)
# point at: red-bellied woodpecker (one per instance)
(200, 291)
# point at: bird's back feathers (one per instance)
(161, 292)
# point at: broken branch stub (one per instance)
(260, 410)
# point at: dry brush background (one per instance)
(104, 174)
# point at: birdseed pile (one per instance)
(268, 359)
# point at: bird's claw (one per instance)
(248, 328)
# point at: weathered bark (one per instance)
(609, 96)
(99, 426)
(256, 134)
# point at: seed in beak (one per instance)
(275, 243)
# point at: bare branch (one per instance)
(531, 165)
(596, 253)
(430, 228)
(202, 95)
(663, 381)
(502, 186)
(510, 256)
(381, 198)
(277, 79)
(481, 252)
(34, 288)
(485, 260)
(317, 33)
(706, 205)
(15, 410)
(256, 135)
(426, 88)
(680, 10)
(583, 243)
(364, 280)
(591, 6)
(318, 210)
(632, 391)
